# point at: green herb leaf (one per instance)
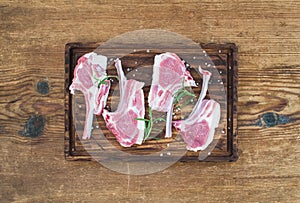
(142, 119)
(149, 124)
(189, 93)
(103, 81)
(182, 92)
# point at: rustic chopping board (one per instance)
(224, 147)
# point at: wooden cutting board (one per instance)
(224, 57)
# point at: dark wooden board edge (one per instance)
(232, 89)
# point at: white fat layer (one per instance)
(99, 60)
(155, 79)
(89, 54)
(72, 88)
(189, 83)
(169, 122)
(141, 128)
(89, 116)
(156, 66)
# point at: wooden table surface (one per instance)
(33, 37)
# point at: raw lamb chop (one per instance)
(90, 69)
(198, 129)
(168, 73)
(122, 123)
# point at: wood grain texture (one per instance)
(33, 35)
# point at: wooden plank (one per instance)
(33, 35)
(142, 15)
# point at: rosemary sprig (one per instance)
(142, 119)
(103, 81)
(182, 92)
(149, 124)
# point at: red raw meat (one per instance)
(122, 123)
(198, 129)
(168, 72)
(89, 70)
